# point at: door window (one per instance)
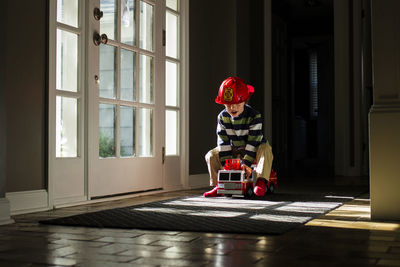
(172, 86)
(68, 91)
(121, 61)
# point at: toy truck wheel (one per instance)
(249, 192)
(271, 188)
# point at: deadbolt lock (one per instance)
(97, 13)
(99, 39)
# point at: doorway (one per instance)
(303, 87)
(118, 130)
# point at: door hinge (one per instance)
(163, 37)
(163, 155)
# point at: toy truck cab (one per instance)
(232, 180)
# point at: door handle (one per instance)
(97, 13)
(99, 39)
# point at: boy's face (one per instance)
(234, 109)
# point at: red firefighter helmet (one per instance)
(233, 90)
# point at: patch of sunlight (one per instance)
(363, 199)
(206, 213)
(340, 197)
(309, 207)
(355, 225)
(223, 203)
(280, 218)
(358, 208)
(351, 211)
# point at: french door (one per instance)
(124, 116)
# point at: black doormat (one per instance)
(274, 214)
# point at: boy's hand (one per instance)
(247, 170)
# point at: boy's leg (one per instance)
(214, 165)
(264, 163)
(264, 160)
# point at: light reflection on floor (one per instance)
(355, 214)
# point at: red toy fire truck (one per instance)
(232, 180)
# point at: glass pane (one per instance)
(127, 131)
(66, 127)
(171, 84)
(171, 48)
(145, 132)
(108, 73)
(128, 22)
(128, 62)
(67, 12)
(146, 26)
(146, 79)
(67, 61)
(106, 130)
(108, 23)
(172, 4)
(171, 132)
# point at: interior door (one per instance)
(126, 92)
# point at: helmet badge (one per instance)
(228, 94)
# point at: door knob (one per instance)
(99, 39)
(97, 13)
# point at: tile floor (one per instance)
(344, 237)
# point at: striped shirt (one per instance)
(242, 132)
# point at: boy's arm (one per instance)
(223, 142)
(254, 140)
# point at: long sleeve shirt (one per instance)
(244, 131)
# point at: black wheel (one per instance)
(228, 195)
(249, 192)
(271, 188)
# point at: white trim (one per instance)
(5, 212)
(51, 97)
(184, 89)
(69, 200)
(27, 201)
(172, 188)
(199, 180)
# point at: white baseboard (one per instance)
(5, 212)
(27, 201)
(199, 180)
(68, 201)
(173, 188)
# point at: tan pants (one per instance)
(264, 159)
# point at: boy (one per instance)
(239, 132)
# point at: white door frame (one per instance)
(85, 38)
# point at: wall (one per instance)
(385, 113)
(229, 42)
(348, 115)
(26, 85)
(212, 29)
(250, 48)
(3, 121)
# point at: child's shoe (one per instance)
(259, 189)
(212, 193)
